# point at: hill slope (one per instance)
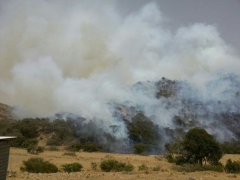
(5, 112)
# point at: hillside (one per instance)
(5, 112)
(163, 112)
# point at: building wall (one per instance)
(4, 154)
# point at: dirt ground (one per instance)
(58, 158)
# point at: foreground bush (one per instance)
(143, 167)
(232, 166)
(170, 158)
(90, 147)
(69, 154)
(73, 167)
(74, 146)
(113, 165)
(35, 149)
(38, 165)
(53, 148)
(140, 148)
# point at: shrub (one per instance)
(73, 167)
(123, 167)
(170, 158)
(94, 166)
(143, 130)
(230, 147)
(180, 160)
(32, 149)
(54, 141)
(175, 147)
(75, 147)
(143, 167)
(108, 165)
(90, 147)
(113, 165)
(69, 154)
(157, 168)
(140, 148)
(24, 142)
(53, 148)
(38, 165)
(232, 166)
(28, 130)
(30, 142)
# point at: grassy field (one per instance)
(166, 170)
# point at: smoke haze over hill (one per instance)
(83, 57)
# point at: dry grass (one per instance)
(86, 159)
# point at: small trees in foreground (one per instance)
(198, 147)
(232, 166)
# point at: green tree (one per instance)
(143, 130)
(199, 147)
(140, 148)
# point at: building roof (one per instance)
(7, 138)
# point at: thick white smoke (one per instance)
(82, 56)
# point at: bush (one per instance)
(230, 147)
(69, 154)
(24, 142)
(114, 165)
(108, 165)
(143, 130)
(180, 160)
(157, 168)
(73, 167)
(170, 158)
(90, 147)
(54, 141)
(28, 130)
(232, 166)
(38, 165)
(143, 167)
(32, 149)
(53, 148)
(75, 147)
(94, 166)
(140, 148)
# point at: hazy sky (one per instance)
(224, 14)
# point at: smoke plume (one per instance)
(84, 57)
